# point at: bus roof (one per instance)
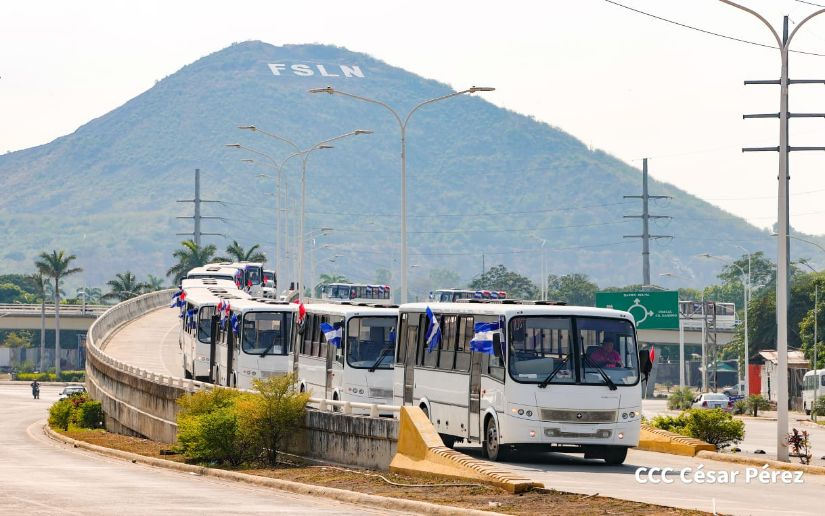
(511, 309)
(190, 283)
(262, 305)
(212, 295)
(351, 309)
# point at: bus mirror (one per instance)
(645, 365)
(497, 344)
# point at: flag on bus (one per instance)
(433, 335)
(483, 338)
(333, 334)
(178, 299)
(234, 322)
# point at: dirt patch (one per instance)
(426, 489)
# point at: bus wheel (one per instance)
(448, 440)
(615, 455)
(491, 447)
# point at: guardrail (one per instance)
(17, 308)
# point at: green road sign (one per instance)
(656, 310)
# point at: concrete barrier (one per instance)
(135, 401)
(421, 451)
(654, 439)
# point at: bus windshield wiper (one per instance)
(384, 352)
(269, 348)
(546, 381)
(607, 379)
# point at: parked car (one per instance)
(710, 400)
(71, 390)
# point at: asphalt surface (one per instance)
(40, 476)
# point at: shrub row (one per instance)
(714, 426)
(227, 426)
(65, 376)
(77, 411)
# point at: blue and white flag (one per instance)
(332, 334)
(483, 338)
(433, 336)
(235, 322)
(177, 299)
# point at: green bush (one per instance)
(740, 407)
(65, 376)
(714, 426)
(674, 424)
(60, 414)
(231, 427)
(818, 408)
(680, 399)
(76, 411)
(756, 403)
(89, 414)
(73, 376)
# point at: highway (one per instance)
(40, 476)
(151, 343)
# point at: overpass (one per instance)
(27, 317)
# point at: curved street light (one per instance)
(402, 124)
(783, 224)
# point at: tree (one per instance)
(574, 289)
(18, 339)
(237, 253)
(90, 295)
(325, 279)
(814, 317)
(124, 286)
(189, 256)
(499, 278)
(39, 281)
(153, 283)
(56, 265)
(10, 293)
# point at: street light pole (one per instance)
(681, 340)
(403, 126)
(782, 266)
(747, 303)
(306, 153)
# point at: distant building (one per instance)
(798, 365)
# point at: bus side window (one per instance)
(465, 335)
(446, 359)
(401, 345)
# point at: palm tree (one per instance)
(91, 295)
(153, 284)
(237, 254)
(39, 282)
(191, 255)
(333, 278)
(124, 286)
(56, 265)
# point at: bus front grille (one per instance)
(578, 416)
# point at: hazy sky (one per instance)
(618, 80)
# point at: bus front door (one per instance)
(411, 346)
(230, 352)
(328, 381)
(213, 359)
(474, 402)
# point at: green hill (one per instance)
(482, 180)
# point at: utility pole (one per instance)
(197, 233)
(646, 216)
(783, 224)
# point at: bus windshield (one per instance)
(371, 342)
(542, 351)
(266, 333)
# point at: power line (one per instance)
(809, 3)
(711, 33)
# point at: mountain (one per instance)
(485, 185)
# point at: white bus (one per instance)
(537, 384)
(195, 339)
(251, 340)
(247, 275)
(452, 295)
(813, 386)
(360, 367)
(355, 292)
